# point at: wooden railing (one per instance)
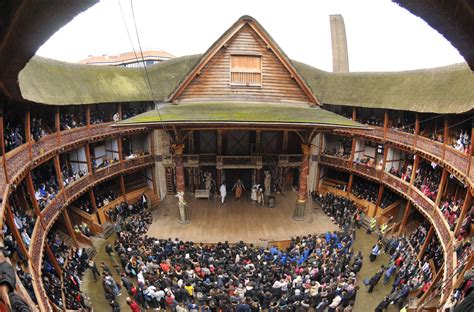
(223, 162)
(425, 205)
(289, 159)
(455, 161)
(63, 199)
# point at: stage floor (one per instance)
(237, 220)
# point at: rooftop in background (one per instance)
(129, 59)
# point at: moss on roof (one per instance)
(447, 89)
(236, 112)
(49, 81)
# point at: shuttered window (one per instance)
(246, 70)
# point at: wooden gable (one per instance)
(245, 66)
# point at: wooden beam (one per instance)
(31, 190)
(379, 199)
(431, 288)
(284, 146)
(122, 187)
(349, 184)
(16, 234)
(120, 111)
(120, 148)
(220, 134)
(441, 187)
(258, 141)
(57, 123)
(53, 259)
(429, 235)
(384, 159)
(445, 134)
(406, 214)
(88, 116)
(57, 166)
(28, 130)
(385, 124)
(417, 127)
(466, 207)
(470, 151)
(88, 158)
(69, 227)
(415, 168)
(354, 113)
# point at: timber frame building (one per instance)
(244, 105)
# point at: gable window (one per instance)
(246, 70)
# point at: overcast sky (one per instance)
(381, 35)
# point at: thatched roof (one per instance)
(454, 19)
(241, 113)
(447, 89)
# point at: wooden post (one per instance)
(258, 141)
(57, 123)
(385, 124)
(406, 214)
(470, 150)
(28, 130)
(431, 288)
(379, 199)
(415, 168)
(16, 234)
(4, 154)
(31, 189)
(57, 166)
(69, 226)
(180, 184)
(122, 188)
(92, 199)
(303, 183)
(354, 113)
(349, 184)
(53, 259)
(429, 235)
(441, 187)
(353, 148)
(466, 207)
(385, 154)
(284, 146)
(120, 111)
(88, 116)
(88, 158)
(445, 134)
(417, 127)
(120, 148)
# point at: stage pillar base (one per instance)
(298, 215)
(183, 214)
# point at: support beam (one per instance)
(349, 184)
(31, 190)
(441, 186)
(385, 124)
(123, 192)
(379, 199)
(88, 116)
(14, 230)
(445, 134)
(59, 175)
(303, 184)
(406, 214)
(466, 207)
(69, 227)
(220, 134)
(92, 199)
(120, 111)
(57, 124)
(120, 148)
(415, 168)
(88, 158)
(417, 127)
(284, 146)
(28, 130)
(354, 113)
(180, 184)
(429, 235)
(53, 259)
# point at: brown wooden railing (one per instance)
(62, 200)
(425, 205)
(455, 161)
(238, 161)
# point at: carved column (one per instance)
(303, 184)
(180, 185)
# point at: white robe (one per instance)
(223, 191)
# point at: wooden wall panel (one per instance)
(213, 83)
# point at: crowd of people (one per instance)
(434, 251)
(129, 111)
(126, 209)
(405, 124)
(388, 198)
(105, 198)
(98, 116)
(403, 172)
(103, 163)
(418, 236)
(70, 121)
(70, 175)
(340, 209)
(463, 142)
(45, 183)
(365, 190)
(13, 135)
(84, 204)
(428, 178)
(451, 209)
(38, 129)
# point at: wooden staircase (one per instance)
(169, 181)
(154, 200)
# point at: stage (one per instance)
(237, 220)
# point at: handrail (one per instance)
(62, 200)
(425, 205)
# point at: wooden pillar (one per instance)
(354, 113)
(466, 207)
(303, 183)
(431, 288)
(284, 146)
(406, 214)
(385, 124)
(153, 177)
(417, 127)
(445, 134)
(429, 235)
(379, 199)
(2, 137)
(92, 199)
(470, 150)
(220, 133)
(57, 123)
(53, 259)
(191, 147)
(353, 148)
(69, 226)
(57, 166)
(441, 187)
(180, 184)
(122, 187)
(349, 184)
(16, 234)
(88, 158)
(28, 130)
(88, 116)
(415, 168)
(31, 189)
(258, 141)
(120, 148)
(385, 154)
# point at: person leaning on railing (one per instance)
(10, 299)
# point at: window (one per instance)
(246, 70)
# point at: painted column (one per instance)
(180, 186)
(303, 184)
